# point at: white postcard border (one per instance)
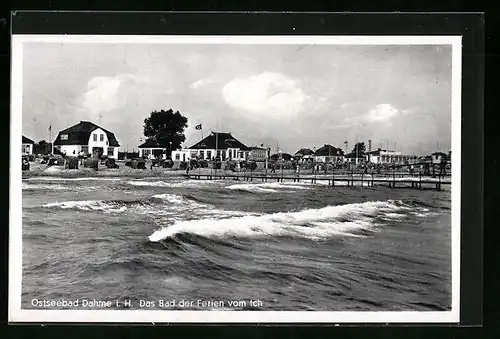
(17, 314)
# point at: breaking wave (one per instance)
(177, 207)
(342, 220)
(73, 179)
(172, 184)
(266, 187)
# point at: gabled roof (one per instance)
(79, 134)
(27, 140)
(304, 151)
(151, 143)
(221, 140)
(329, 150)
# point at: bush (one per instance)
(203, 163)
(183, 165)
(252, 166)
(217, 165)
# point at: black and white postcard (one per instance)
(248, 179)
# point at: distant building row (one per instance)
(89, 138)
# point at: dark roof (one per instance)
(79, 134)
(439, 153)
(304, 151)
(285, 156)
(27, 140)
(223, 141)
(329, 150)
(151, 143)
(258, 148)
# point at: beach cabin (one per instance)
(27, 146)
(217, 144)
(88, 138)
(152, 149)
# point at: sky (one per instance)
(291, 96)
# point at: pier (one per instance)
(350, 179)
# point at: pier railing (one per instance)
(334, 178)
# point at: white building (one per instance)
(27, 146)
(222, 145)
(88, 138)
(152, 149)
(258, 154)
(329, 154)
(381, 156)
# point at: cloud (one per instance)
(104, 93)
(270, 94)
(201, 83)
(381, 113)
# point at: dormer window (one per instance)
(95, 137)
(64, 137)
(102, 137)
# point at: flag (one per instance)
(261, 145)
(345, 142)
(50, 128)
(198, 126)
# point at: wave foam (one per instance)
(268, 187)
(172, 184)
(72, 179)
(311, 223)
(89, 205)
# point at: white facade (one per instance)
(27, 149)
(148, 152)
(329, 158)
(389, 157)
(258, 154)
(98, 139)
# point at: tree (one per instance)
(42, 147)
(166, 127)
(358, 150)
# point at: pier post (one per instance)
(333, 177)
(420, 180)
(362, 177)
(394, 178)
(372, 179)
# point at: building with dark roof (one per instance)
(329, 154)
(27, 146)
(152, 148)
(88, 138)
(216, 144)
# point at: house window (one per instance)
(234, 153)
(85, 149)
(64, 137)
(102, 137)
(202, 154)
(218, 153)
(95, 137)
(209, 154)
(177, 156)
(111, 151)
(240, 155)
